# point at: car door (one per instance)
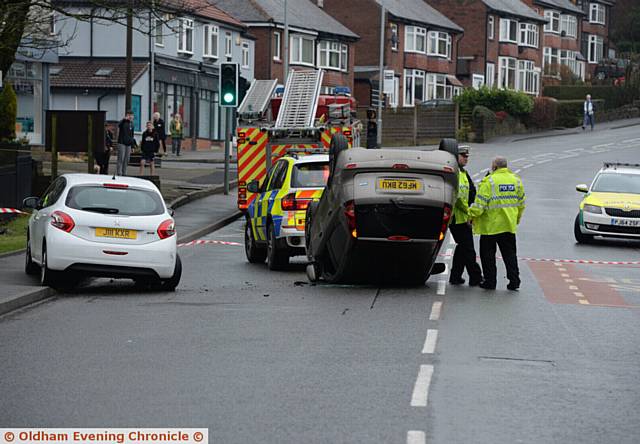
(42, 215)
(265, 200)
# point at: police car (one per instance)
(611, 207)
(275, 219)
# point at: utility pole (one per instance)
(286, 45)
(381, 74)
(129, 58)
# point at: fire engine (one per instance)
(300, 121)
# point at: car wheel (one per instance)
(171, 283)
(449, 145)
(255, 254)
(48, 277)
(581, 238)
(277, 259)
(30, 267)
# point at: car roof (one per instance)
(99, 179)
(621, 168)
(309, 158)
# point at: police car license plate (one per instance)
(625, 222)
(399, 185)
(117, 233)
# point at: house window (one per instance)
(276, 45)
(437, 87)
(185, 36)
(491, 28)
(394, 37)
(439, 44)
(302, 49)
(52, 23)
(596, 49)
(554, 21)
(569, 25)
(508, 31)
(551, 61)
(477, 81)
(528, 35)
(414, 87)
(158, 35)
(528, 77)
(596, 13)
(245, 54)
(332, 55)
(491, 75)
(393, 97)
(507, 72)
(415, 39)
(228, 48)
(211, 41)
(344, 60)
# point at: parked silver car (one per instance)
(383, 215)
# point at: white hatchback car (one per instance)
(89, 225)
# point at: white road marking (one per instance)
(544, 161)
(517, 171)
(578, 294)
(430, 342)
(630, 140)
(519, 160)
(436, 309)
(475, 175)
(420, 395)
(442, 287)
(569, 281)
(562, 269)
(603, 145)
(416, 437)
(484, 170)
(584, 302)
(573, 287)
(565, 275)
(529, 165)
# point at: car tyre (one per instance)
(277, 259)
(449, 145)
(581, 238)
(30, 267)
(255, 254)
(48, 277)
(171, 283)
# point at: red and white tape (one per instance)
(11, 211)
(205, 242)
(568, 261)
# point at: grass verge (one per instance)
(15, 236)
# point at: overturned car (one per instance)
(383, 215)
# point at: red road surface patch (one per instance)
(561, 284)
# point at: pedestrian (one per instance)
(588, 113)
(176, 129)
(149, 146)
(159, 126)
(102, 158)
(126, 141)
(496, 214)
(464, 255)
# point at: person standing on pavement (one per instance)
(125, 142)
(465, 252)
(588, 113)
(102, 158)
(149, 146)
(496, 213)
(176, 129)
(161, 131)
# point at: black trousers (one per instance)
(464, 255)
(507, 244)
(102, 160)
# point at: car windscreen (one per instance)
(310, 175)
(121, 201)
(617, 183)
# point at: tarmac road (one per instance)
(259, 356)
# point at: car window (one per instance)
(617, 183)
(278, 175)
(53, 193)
(310, 175)
(269, 178)
(126, 202)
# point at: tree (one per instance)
(9, 107)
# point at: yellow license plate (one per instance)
(117, 233)
(399, 185)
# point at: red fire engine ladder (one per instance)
(300, 101)
(257, 99)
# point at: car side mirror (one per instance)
(253, 186)
(31, 202)
(582, 188)
(171, 211)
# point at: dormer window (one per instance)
(508, 31)
(597, 13)
(103, 72)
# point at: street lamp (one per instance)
(381, 72)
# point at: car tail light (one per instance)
(350, 213)
(398, 238)
(242, 193)
(62, 221)
(400, 166)
(167, 229)
(351, 166)
(119, 186)
(291, 203)
(446, 217)
(242, 204)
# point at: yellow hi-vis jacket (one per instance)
(499, 203)
(461, 207)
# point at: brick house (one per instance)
(561, 39)
(595, 31)
(501, 45)
(420, 48)
(316, 40)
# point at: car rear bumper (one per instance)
(68, 252)
(600, 225)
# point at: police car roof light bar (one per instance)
(621, 164)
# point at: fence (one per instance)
(15, 177)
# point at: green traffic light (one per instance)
(228, 97)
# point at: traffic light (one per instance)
(229, 84)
